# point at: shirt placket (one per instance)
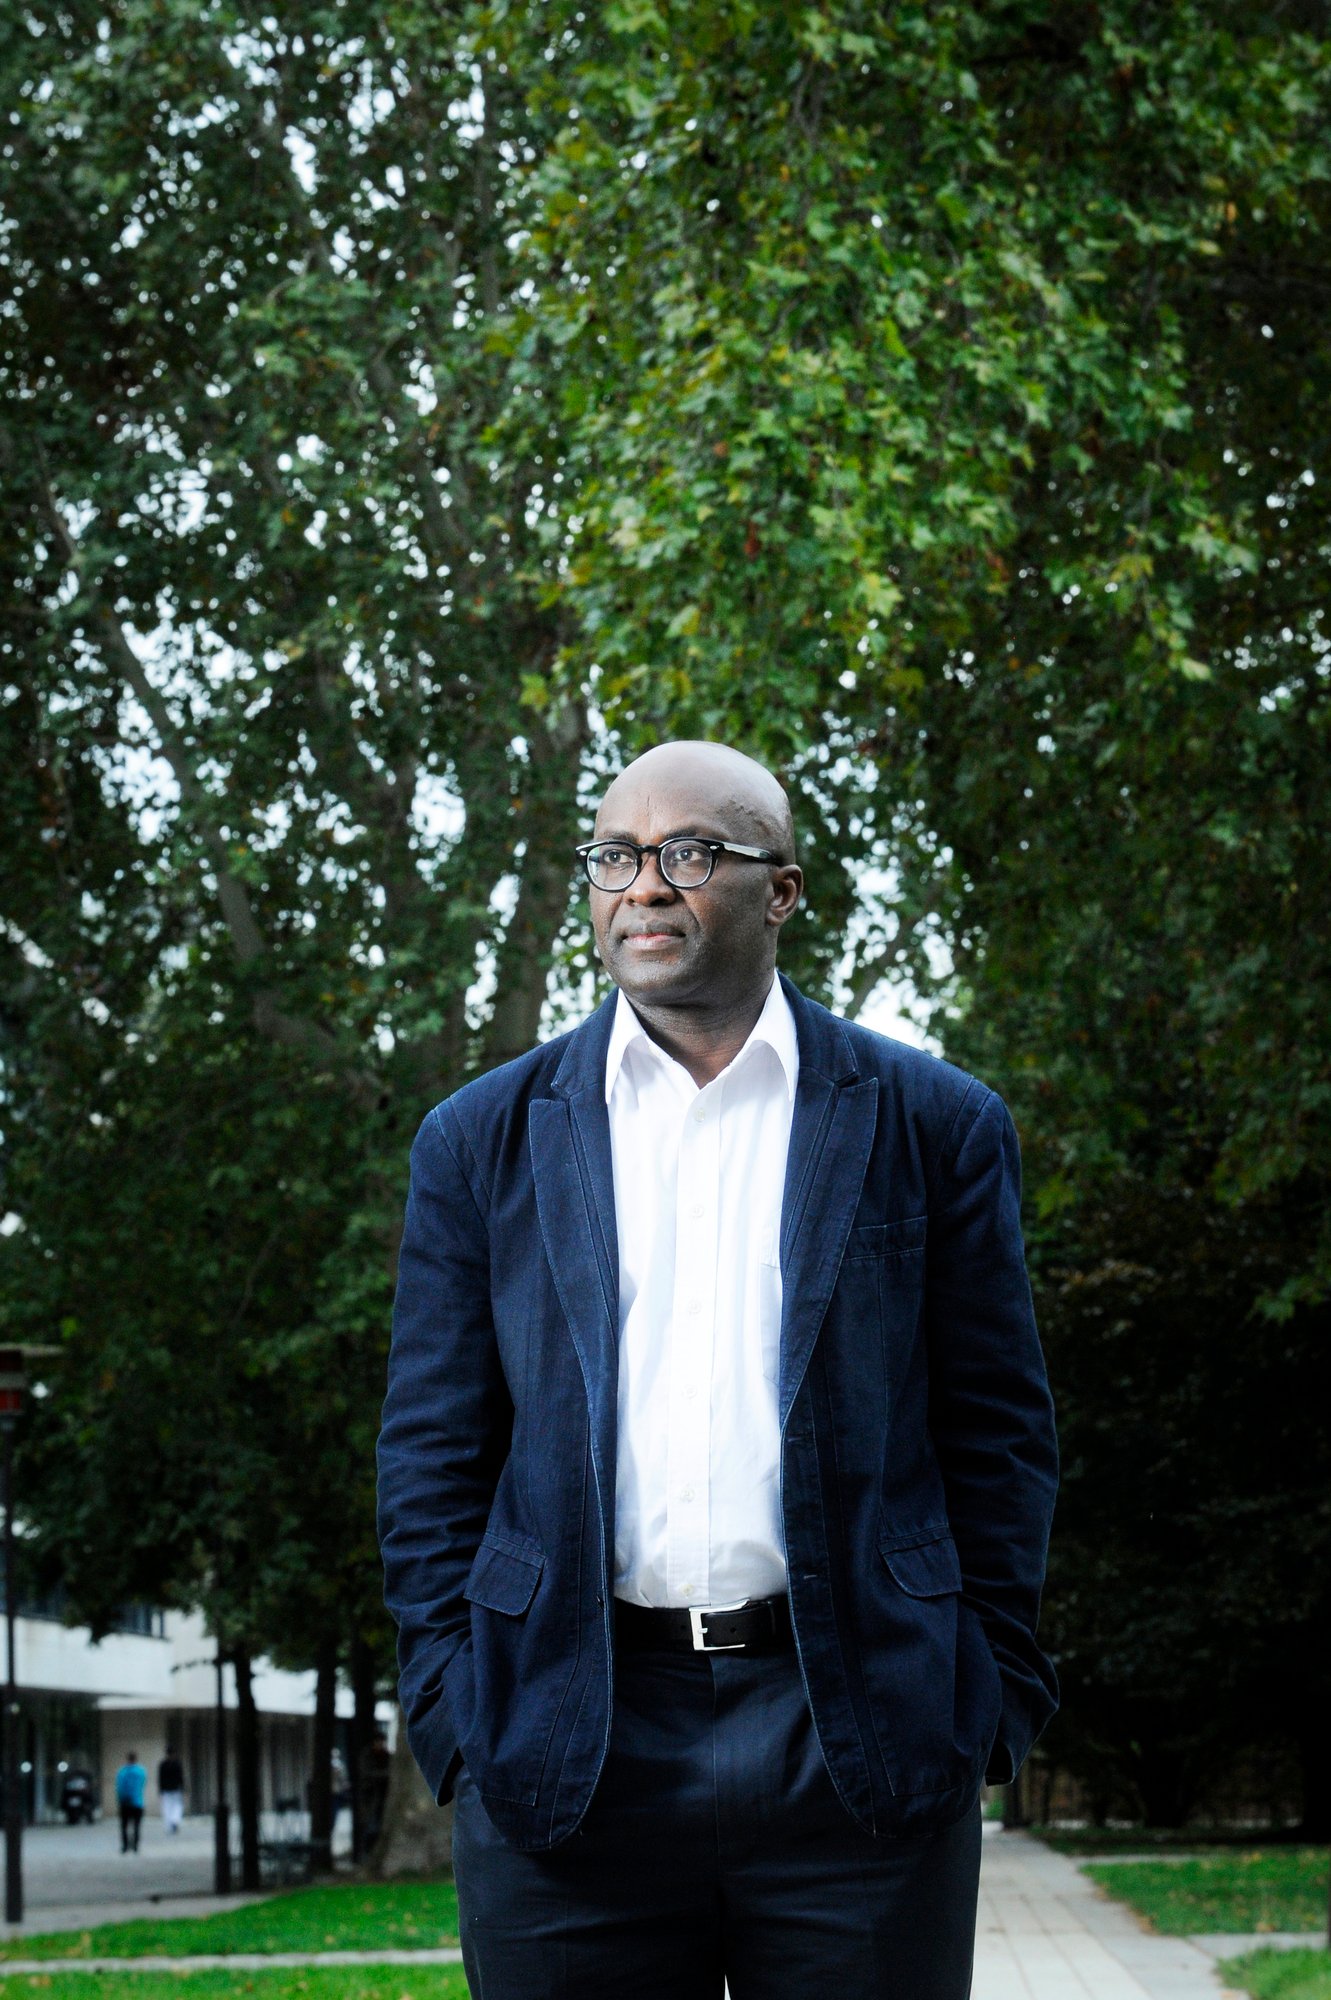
(693, 1336)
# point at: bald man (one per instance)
(718, 1460)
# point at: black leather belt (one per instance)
(760, 1625)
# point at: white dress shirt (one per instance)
(699, 1176)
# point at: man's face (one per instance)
(708, 947)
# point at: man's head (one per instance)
(711, 947)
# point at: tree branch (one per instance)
(443, 538)
(247, 939)
(550, 828)
(867, 976)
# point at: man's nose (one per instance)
(650, 885)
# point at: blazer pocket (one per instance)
(505, 1574)
(925, 1568)
(886, 1239)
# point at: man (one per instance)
(717, 1460)
(131, 1779)
(171, 1790)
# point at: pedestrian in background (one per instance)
(131, 1782)
(171, 1790)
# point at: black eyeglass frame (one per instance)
(643, 849)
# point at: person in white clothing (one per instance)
(171, 1790)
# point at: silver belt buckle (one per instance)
(697, 1612)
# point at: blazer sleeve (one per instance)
(447, 1421)
(991, 1415)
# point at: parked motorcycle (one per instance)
(77, 1799)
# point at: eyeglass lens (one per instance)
(686, 864)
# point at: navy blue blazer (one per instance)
(918, 1462)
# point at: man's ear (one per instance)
(787, 888)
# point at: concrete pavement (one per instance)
(1045, 1932)
(76, 1876)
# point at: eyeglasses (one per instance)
(684, 862)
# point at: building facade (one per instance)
(152, 1683)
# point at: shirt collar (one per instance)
(775, 1026)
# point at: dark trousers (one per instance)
(131, 1819)
(715, 1850)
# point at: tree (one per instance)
(410, 416)
(280, 808)
(294, 800)
(970, 418)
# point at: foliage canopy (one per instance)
(411, 412)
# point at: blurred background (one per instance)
(411, 412)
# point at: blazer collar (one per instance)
(826, 1049)
(582, 1065)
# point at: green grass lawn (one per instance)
(341, 1916)
(370, 1982)
(1282, 1975)
(1245, 1889)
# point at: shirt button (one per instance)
(697, 1210)
(700, 1117)
(688, 1590)
(695, 1305)
(686, 1493)
(690, 1392)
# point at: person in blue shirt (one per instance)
(131, 1780)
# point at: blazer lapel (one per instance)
(831, 1137)
(569, 1136)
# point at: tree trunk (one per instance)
(365, 1688)
(1166, 1786)
(1315, 1765)
(321, 1776)
(416, 1837)
(247, 1768)
(1016, 1811)
(550, 826)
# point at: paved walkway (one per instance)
(1045, 1932)
(76, 1876)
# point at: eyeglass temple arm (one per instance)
(655, 846)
